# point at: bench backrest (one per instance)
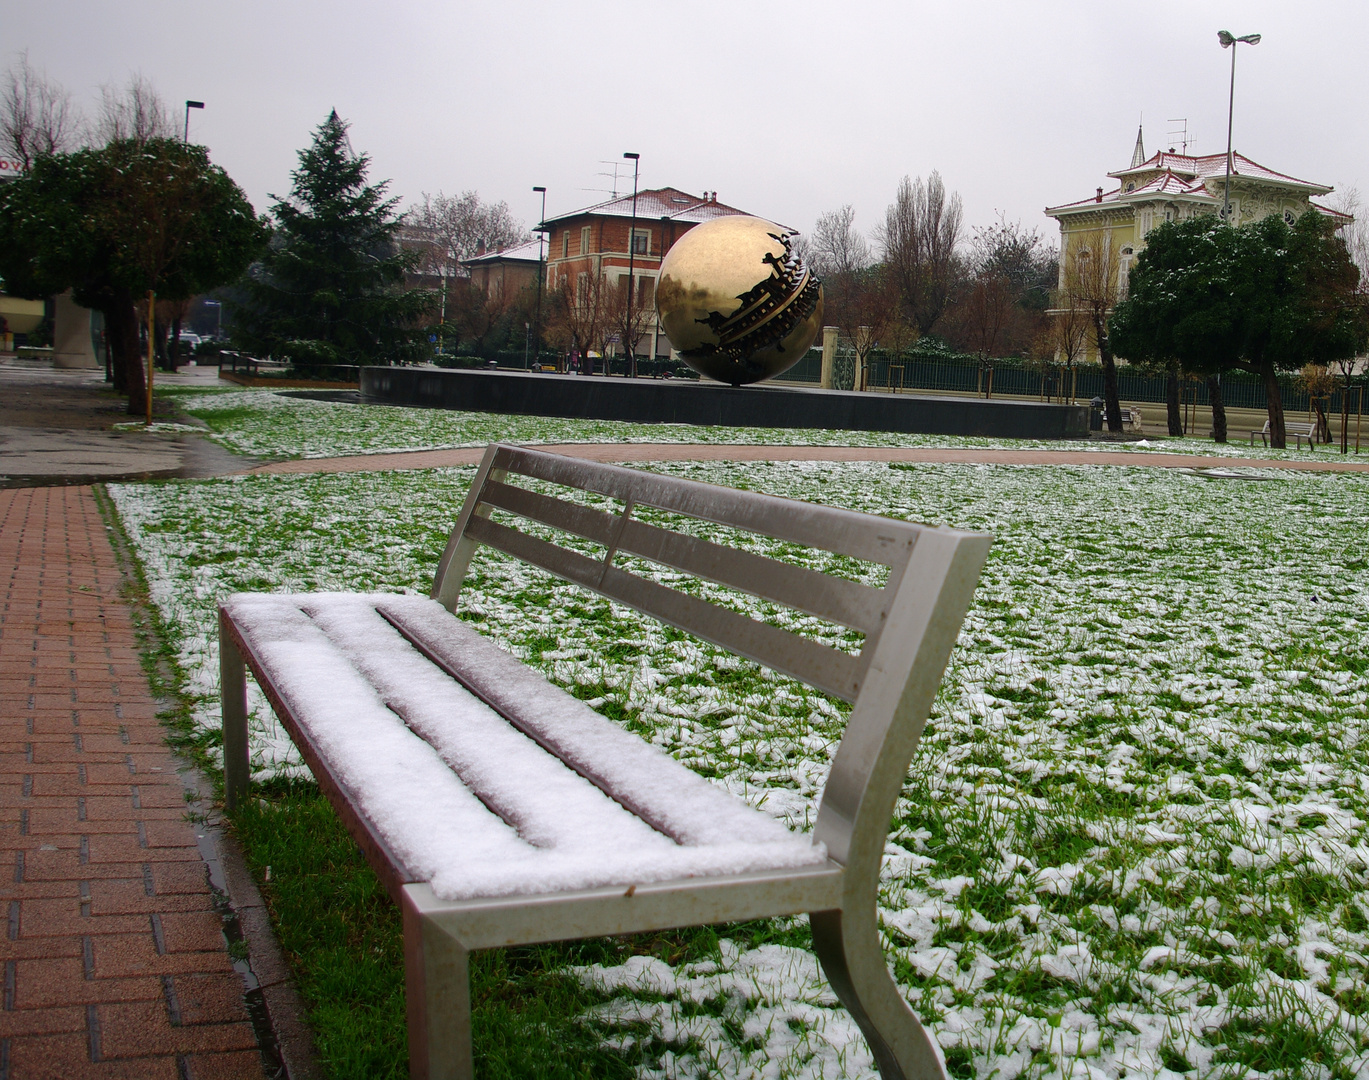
(909, 623)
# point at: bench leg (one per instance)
(437, 991)
(233, 698)
(848, 947)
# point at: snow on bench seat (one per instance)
(548, 797)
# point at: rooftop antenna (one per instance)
(1182, 132)
(608, 176)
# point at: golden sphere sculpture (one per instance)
(736, 302)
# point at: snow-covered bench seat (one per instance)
(499, 810)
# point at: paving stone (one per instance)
(107, 924)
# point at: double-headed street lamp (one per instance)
(1230, 41)
(541, 269)
(188, 106)
(628, 335)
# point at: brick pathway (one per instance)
(114, 959)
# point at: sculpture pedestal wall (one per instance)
(671, 401)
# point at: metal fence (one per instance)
(959, 374)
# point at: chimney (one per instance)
(1099, 196)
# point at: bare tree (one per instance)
(1091, 278)
(580, 312)
(861, 299)
(1355, 233)
(920, 235)
(999, 308)
(136, 112)
(837, 247)
(1061, 340)
(628, 322)
(37, 117)
(457, 227)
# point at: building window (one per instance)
(641, 242)
(646, 291)
(584, 240)
(1169, 213)
(581, 288)
(1288, 217)
(565, 244)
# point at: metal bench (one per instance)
(499, 810)
(1299, 432)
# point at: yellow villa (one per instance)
(1170, 187)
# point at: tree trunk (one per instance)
(1323, 424)
(1278, 433)
(1214, 397)
(1345, 417)
(159, 331)
(121, 326)
(1112, 404)
(1173, 413)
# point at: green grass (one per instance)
(1132, 838)
(344, 940)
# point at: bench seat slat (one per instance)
(835, 599)
(347, 676)
(653, 785)
(828, 669)
(842, 531)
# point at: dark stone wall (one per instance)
(664, 401)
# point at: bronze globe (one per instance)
(736, 302)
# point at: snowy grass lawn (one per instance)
(1133, 840)
(264, 423)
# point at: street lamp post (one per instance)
(628, 335)
(188, 106)
(541, 263)
(1229, 41)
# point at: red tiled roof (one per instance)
(655, 204)
(1207, 166)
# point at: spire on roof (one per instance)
(1138, 156)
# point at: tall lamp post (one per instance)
(1229, 41)
(188, 106)
(541, 264)
(628, 335)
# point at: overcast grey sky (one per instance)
(786, 109)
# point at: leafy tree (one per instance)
(115, 223)
(1265, 297)
(330, 287)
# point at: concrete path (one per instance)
(63, 427)
(115, 962)
(642, 452)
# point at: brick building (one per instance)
(504, 273)
(595, 241)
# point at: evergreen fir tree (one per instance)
(330, 289)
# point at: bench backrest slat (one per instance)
(841, 531)
(829, 597)
(826, 668)
(835, 599)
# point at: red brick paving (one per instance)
(112, 955)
